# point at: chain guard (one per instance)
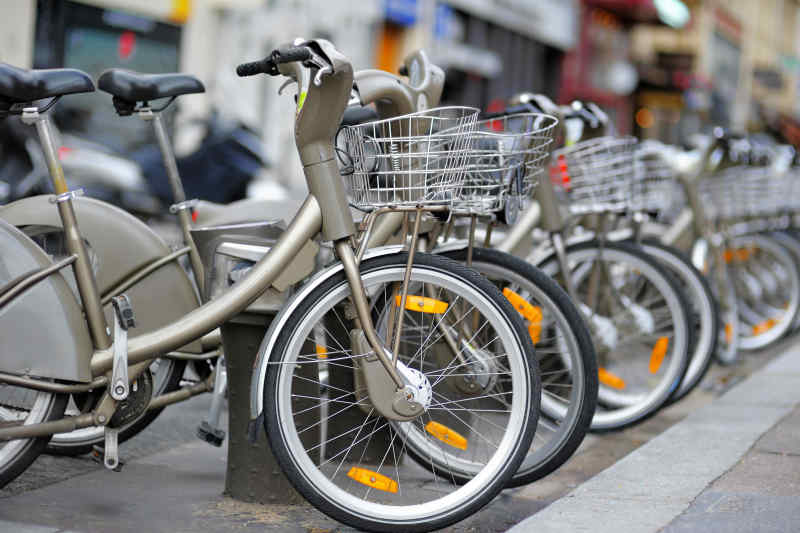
(136, 403)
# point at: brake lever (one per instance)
(285, 84)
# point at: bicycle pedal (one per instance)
(213, 436)
(97, 455)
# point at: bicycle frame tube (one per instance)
(306, 224)
(84, 276)
(174, 177)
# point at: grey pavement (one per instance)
(732, 466)
(174, 483)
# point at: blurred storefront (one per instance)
(601, 67)
(490, 49)
(734, 65)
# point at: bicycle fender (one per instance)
(123, 244)
(43, 330)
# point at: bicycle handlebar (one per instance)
(269, 65)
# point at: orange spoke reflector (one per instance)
(531, 313)
(763, 327)
(322, 352)
(658, 353)
(728, 332)
(422, 304)
(728, 255)
(535, 332)
(742, 254)
(372, 479)
(446, 435)
(612, 380)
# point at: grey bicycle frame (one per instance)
(325, 210)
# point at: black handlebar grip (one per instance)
(253, 68)
(291, 54)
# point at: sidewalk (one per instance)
(679, 472)
(732, 466)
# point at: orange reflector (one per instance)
(535, 332)
(612, 380)
(322, 352)
(422, 304)
(531, 313)
(728, 255)
(763, 327)
(446, 435)
(372, 479)
(658, 353)
(742, 254)
(729, 333)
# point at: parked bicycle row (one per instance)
(468, 292)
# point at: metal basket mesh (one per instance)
(415, 159)
(744, 191)
(596, 175)
(507, 157)
(655, 188)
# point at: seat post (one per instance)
(84, 275)
(181, 206)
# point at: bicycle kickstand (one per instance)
(209, 430)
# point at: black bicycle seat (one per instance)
(138, 87)
(23, 85)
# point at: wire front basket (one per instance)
(596, 175)
(655, 186)
(745, 191)
(412, 160)
(507, 157)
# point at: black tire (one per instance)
(587, 400)
(34, 447)
(446, 516)
(702, 361)
(668, 281)
(171, 383)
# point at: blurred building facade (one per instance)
(735, 64)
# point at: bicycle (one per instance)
(393, 390)
(590, 181)
(503, 171)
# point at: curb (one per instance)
(650, 487)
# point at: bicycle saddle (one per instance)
(137, 87)
(23, 85)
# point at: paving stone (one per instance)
(721, 512)
(783, 438)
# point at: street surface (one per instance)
(174, 482)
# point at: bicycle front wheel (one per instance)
(345, 458)
(564, 351)
(640, 326)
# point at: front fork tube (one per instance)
(359, 297)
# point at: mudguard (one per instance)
(43, 330)
(122, 244)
